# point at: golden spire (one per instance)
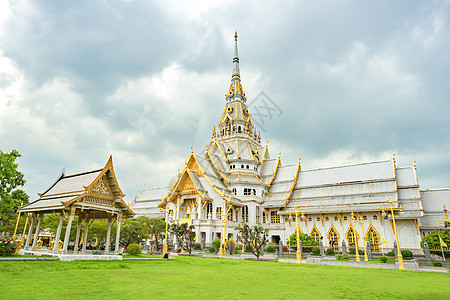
(214, 133)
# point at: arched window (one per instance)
(335, 218)
(254, 192)
(374, 238)
(234, 191)
(345, 218)
(318, 219)
(364, 218)
(239, 128)
(264, 217)
(248, 167)
(327, 219)
(333, 237)
(310, 219)
(351, 237)
(375, 217)
(242, 166)
(315, 234)
(245, 213)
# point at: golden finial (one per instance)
(235, 36)
(192, 149)
(259, 135)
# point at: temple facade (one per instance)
(237, 177)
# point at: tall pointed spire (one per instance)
(236, 76)
(236, 92)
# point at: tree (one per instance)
(306, 240)
(10, 179)
(155, 227)
(185, 235)
(255, 236)
(231, 244)
(132, 232)
(433, 242)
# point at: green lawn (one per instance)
(211, 278)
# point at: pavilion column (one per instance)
(119, 220)
(36, 234)
(85, 237)
(30, 232)
(58, 232)
(77, 237)
(199, 208)
(69, 226)
(108, 235)
(177, 217)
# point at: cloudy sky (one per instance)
(354, 80)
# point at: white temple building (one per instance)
(237, 175)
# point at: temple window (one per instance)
(245, 213)
(318, 219)
(234, 191)
(209, 210)
(315, 234)
(335, 218)
(230, 215)
(274, 217)
(254, 192)
(375, 217)
(264, 217)
(364, 218)
(247, 191)
(345, 218)
(218, 212)
(242, 166)
(327, 219)
(310, 219)
(248, 167)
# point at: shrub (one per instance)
(330, 251)
(216, 244)
(352, 251)
(7, 246)
(339, 257)
(437, 264)
(383, 259)
(270, 249)
(231, 244)
(391, 253)
(212, 249)
(248, 248)
(236, 250)
(197, 246)
(316, 251)
(407, 254)
(285, 248)
(134, 249)
(345, 256)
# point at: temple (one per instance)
(237, 176)
(88, 196)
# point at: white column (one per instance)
(69, 226)
(119, 219)
(77, 237)
(58, 233)
(108, 235)
(85, 237)
(36, 234)
(199, 208)
(30, 232)
(177, 217)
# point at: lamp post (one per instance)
(354, 237)
(167, 225)
(399, 252)
(364, 238)
(297, 230)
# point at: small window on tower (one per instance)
(310, 219)
(242, 166)
(364, 218)
(248, 167)
(345, 218)
(327, 219)
(335, 218)
(318, 219)
(375, 217)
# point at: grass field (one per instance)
(212, 278)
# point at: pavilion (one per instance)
(90, 195)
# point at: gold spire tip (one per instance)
(235, 36)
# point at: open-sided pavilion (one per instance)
(90, 196)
